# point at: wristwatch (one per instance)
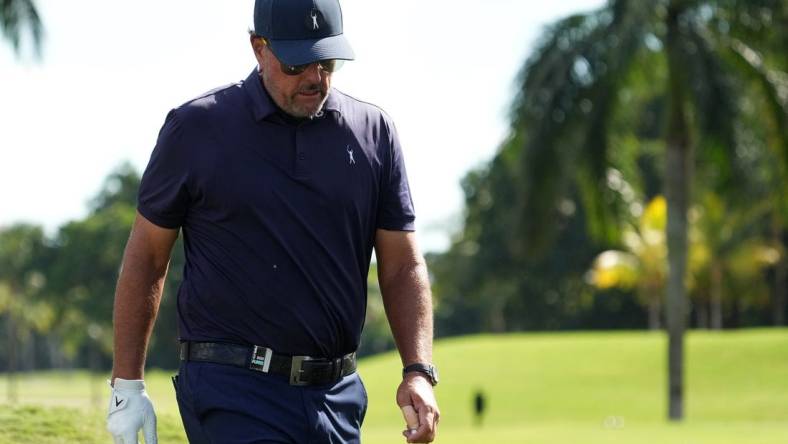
(428, 369)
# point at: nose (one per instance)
(314, 73)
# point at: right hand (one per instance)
(416, 396)
(130, 409)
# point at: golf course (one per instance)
(579, 387)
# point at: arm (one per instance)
(138, 294)
(404, 285)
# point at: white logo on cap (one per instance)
(313, 14)
(351, 160)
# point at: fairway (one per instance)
(601, 387)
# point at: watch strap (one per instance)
(426, 369)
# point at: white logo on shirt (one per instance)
(351, 160)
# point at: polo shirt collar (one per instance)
(333, 102)
(263, 106)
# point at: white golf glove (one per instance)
(130, 409)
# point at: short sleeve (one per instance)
(163, 195)
(396, 210)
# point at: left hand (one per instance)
(130, 409)
(416, 391)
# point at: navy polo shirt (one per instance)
(278, 216)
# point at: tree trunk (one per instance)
(11, 369)
(654, 310)
(94, 378)
(54, 348)
(703, 314)
(497, 315)
(736, 309)
(780, 272)
(716, 295)
(677, 179)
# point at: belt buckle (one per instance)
(296, 369)
(261, 359)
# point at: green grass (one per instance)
(542, 388)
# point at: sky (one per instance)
(444, 70)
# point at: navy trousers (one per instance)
(222, 404)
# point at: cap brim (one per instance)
(301, 52)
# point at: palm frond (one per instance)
(775, 87)
(568, 91)
(714, 96)
(764, 21)
(18, 17)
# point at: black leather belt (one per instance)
(299, 370)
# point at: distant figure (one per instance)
(478, 407)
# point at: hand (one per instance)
(130, 409)
(415, 392)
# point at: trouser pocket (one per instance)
(366, 399)
(184, 396)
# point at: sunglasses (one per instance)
(330, 65)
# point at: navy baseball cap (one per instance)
(302, 31)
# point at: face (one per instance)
(301, 95)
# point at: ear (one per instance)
(258, 47)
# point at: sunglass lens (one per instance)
(294, 70)
(331, 65)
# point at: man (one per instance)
(282, 186)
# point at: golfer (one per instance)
(282, 186)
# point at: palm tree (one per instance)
(18, 17)
(571, 86)
(727, 258)
(21, 250)
(641, 266)
(737, 256)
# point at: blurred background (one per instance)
(599, 189)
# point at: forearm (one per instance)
(408, 303)
(137, 298)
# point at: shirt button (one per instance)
(301, 156)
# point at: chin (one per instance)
(302, 112)
(306, 111)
